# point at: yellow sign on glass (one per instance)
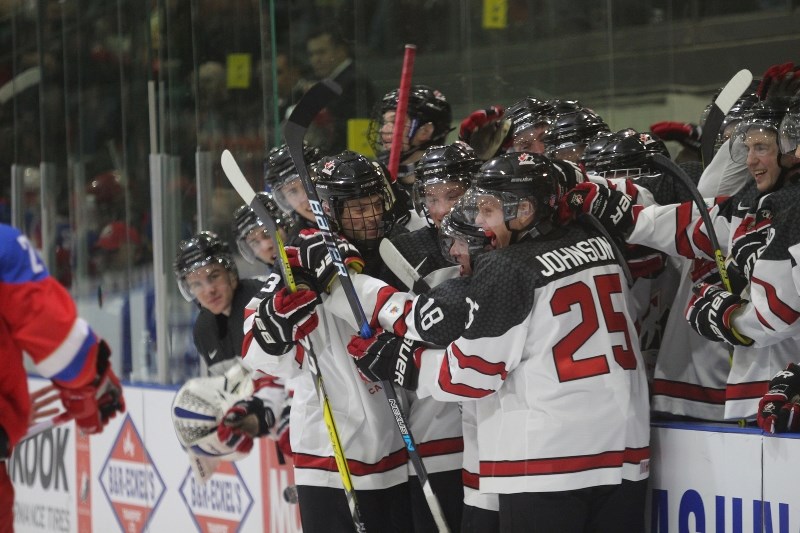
(495, 14)
(357, 129)
(239, 69)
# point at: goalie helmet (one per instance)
(201, 250)
(279, 170)
(762, 121)
(343, 179)
(454, 163)
(425, 105)
(627, 153)
(514, 177)
(245, 221)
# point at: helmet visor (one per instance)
(489, 209)
(789, 135)
(753, 139)
(435, 198)
(290, 195)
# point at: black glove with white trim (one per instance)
(779, 409)
(387, 357)
(284, 319)
(709, 314)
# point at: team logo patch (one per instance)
(328, 167)
(130, 480)
(525, 159)
(222, 504)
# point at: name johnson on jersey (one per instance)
(561, 259)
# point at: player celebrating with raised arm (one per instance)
(39, 318)
(567, 340)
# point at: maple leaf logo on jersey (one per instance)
(576, 200)
(328, 167)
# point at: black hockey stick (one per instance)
(591, 220)
(242, 186)
(294, 132)
(732, 91)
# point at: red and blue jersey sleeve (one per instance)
(39, 319)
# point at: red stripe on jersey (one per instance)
(688, 391)
(458, 389)
(478, 363)
(747, 391)
(248, 312)
(400, 327)
(564, 465)
(683, 217)
(264, 381)
(647, 266)
(776, 305)
(468, 479)
(764, 321)
(433, 448)
(357, 468)
(383, 296)
(701, 239)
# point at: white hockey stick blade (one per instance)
(235, 176)
(733, 90)
(44, 425)
(401, 268)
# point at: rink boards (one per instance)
(135, 477)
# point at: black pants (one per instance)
(477, 520)
(448, 488)
(325, 510)
(604, 509)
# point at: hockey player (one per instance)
(283, 182)
(678, 230)
(427, 123)
(39, 318)
(526, 362)
(252, 238)
(528, 124)
(567, 133)
(207, 275)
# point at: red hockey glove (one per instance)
(709, 313)
(486, 131)
(779, 409)
(311, 259)
(614, 209)
(285, 318)
(682, 132)
(385, 356)
(249, 417)
(92, 406)
(779, 81)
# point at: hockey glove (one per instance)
(486, 132)
(779, 410)
(612, 208)
(746, 247)
(311, 260)
(284, 319)
(779, 81)
(385, 356)
(93, 405)
(682, 132)
(709, 314)
(249, 417)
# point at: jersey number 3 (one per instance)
(580, 294)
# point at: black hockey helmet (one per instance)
(454, 163)
(593, 148)
(351, 176)
(734, 116)
(629, 151)
(764, 117)
(518, 176)
(456, 226)
(425, 105)
(527, 113)
(245, 221)
(789, 132)
(279, 170)
(201, 250)
(568, 133)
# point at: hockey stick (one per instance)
(294, 132)
(400, 110)
(401, 268)
(732, 91)
(242, 186)
(596, 224)
(666, 165)
(44, 425)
